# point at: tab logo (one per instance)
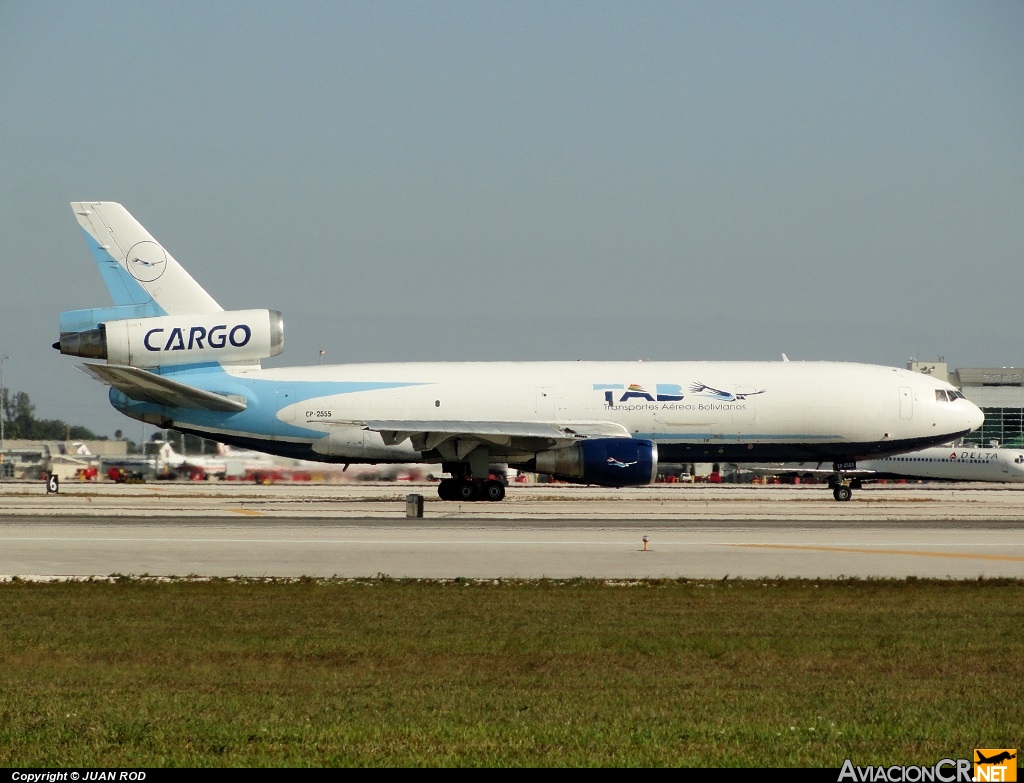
(995, 764)
(663, 392)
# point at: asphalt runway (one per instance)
(228, 529)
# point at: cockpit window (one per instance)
(940, 395)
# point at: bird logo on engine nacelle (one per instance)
(614, 463)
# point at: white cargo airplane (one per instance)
(939, 463)
(175, 359)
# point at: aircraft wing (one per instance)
(148, 387)
(514, 435)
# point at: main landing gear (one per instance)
(469, 489)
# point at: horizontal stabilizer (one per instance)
(145, 386)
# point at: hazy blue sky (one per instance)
(521, 180)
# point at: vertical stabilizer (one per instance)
(135, 267)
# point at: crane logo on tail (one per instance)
(146, 261)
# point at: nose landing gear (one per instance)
(841, 492)
(842, 487)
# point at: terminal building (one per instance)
(998, 391)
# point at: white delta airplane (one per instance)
(939, 463)
(175, 359)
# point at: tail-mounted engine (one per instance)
(608, 462)
(228, 336)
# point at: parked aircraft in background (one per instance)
(940, 463)
(247, 464)
(157, 458)
(174, 358)
(196, 466)
(161, 461)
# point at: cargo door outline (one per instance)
(906, 402)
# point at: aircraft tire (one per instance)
(842, 493)
(494, 491)
(446, 490)
(467, 490)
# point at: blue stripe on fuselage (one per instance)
(263, 398)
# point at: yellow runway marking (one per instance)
(865, 551)
(247, 511)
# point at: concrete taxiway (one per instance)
(540, 531)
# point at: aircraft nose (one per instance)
(976, 417)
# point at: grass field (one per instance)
(577, 673)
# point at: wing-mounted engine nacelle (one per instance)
(226, 336)
(608, 462)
